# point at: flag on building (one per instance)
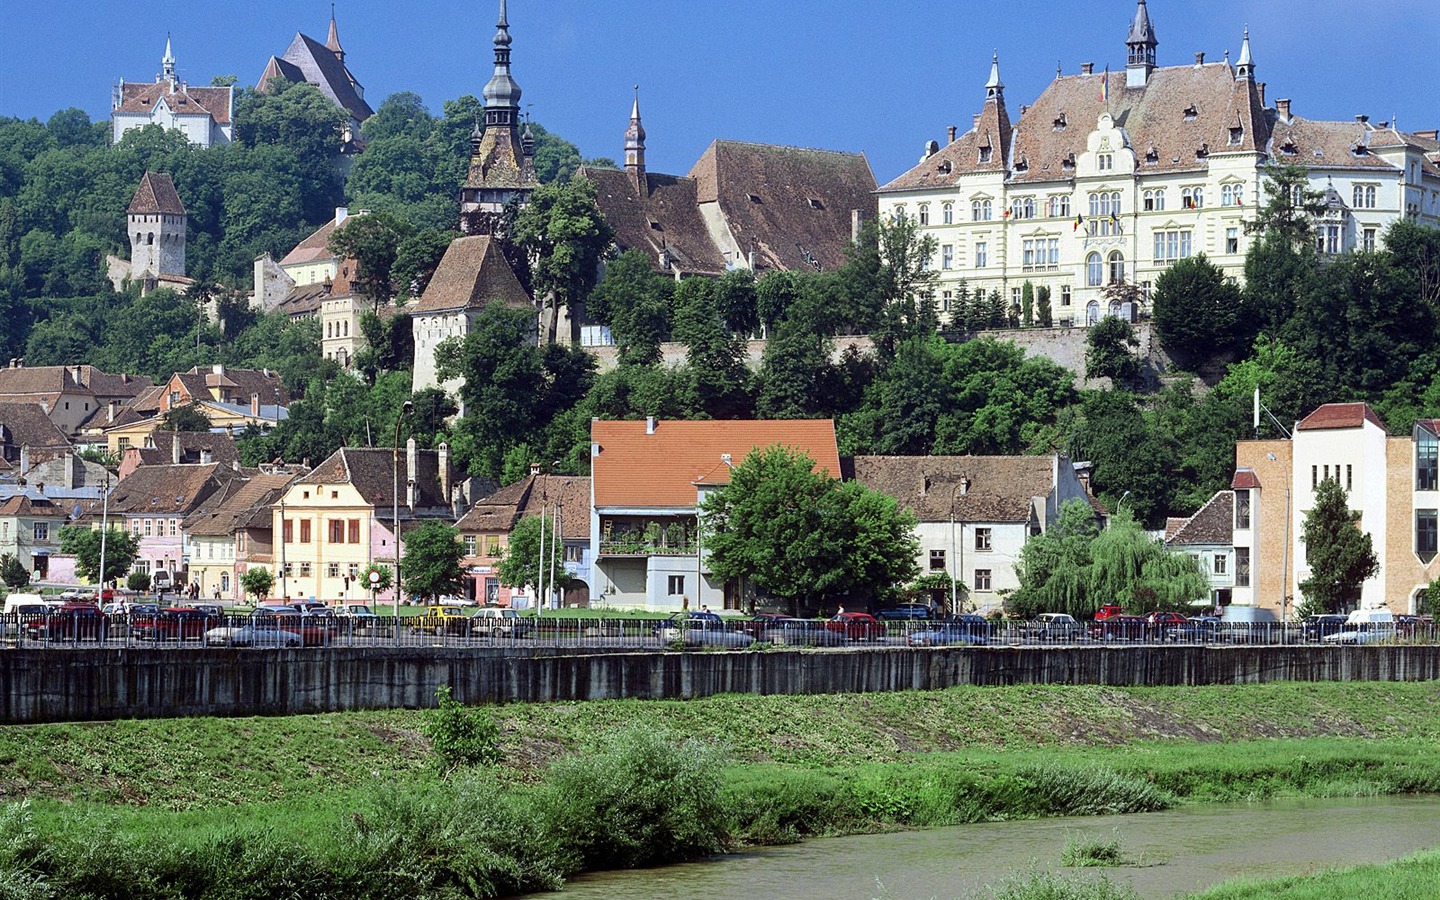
(1105, 86)
(1079, 220)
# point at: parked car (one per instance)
(715, 637)
(792, 632)
(970, 630)
(1249, 625)
(906, 612)
(495, 622)
(1163, 620)
(1107, 611)
(857, 626)
(1195, 630)
(1121, 628)
(259, 631)
(445, 619)
(357, 618)
(756, 626)
(1365, 626)
(1316, 628)
(671, 629)
(178, 623)
(70, 622)
(1053, 627)
(1415, 626)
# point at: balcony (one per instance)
(638, 538)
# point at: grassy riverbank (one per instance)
(350, 805)
(1412, 878)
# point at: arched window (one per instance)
(899, 214)
(1094, 270)
(150, 239)
(1092, 312)
(980, 210)
(1115, 308)
(1117, 267)
(924, 214)
(947, 213)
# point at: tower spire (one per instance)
(1140, 44)
(994, 88)
(1245, 66)
(167, 62)
(502, 154)
(332, 41)
(502, 94)
(635, 144)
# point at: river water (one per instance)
(1178, 851)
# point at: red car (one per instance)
(1120, 628)
(1160, 620)
(1108, 611)
(71, 622)
(856, 626)
(178, 623)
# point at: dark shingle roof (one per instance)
(221, 447)
(371, 472)
(1000, 489)
(26, 424)
(498, 513)
(169, 490)
(1213, 524)
(31, 507)
(249, 504)
(667, 218)
(156, 195)
(312, 61)
(472, 273)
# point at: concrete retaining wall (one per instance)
(81, 685)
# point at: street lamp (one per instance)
(1284, 550)
(104, 532)
(1120, 505)
(284, 567)
(395, 464)
(955, 550)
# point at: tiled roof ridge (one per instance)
(789, 147)
(1199, 519)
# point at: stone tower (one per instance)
(502, 157)
(635, 147)
(157, 221)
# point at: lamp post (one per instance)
(1284, 550)
(395, 464)
(104, 530)
(284, 567)
(1120, 505)
(954, 552)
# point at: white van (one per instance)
(15, 602)
(1365, 626)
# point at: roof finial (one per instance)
(167, 62)
(1245, 66)
(994, 89)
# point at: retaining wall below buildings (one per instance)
(81, 685)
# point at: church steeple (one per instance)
(502, 94)
(332, 41)
(1245, 66)
(167, 63)
(502, 164)
(1141, 44)
(994, 88)
(635, 144)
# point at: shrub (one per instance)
(138, 581)
(640, 800)
(1083, 852)
(1035, 885)
(461, 735)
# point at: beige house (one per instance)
(220, 542)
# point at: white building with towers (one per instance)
(1110, 177)
(203, 114)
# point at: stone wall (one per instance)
(86, 685)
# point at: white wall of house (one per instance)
(1356, 458)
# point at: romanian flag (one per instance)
(1105, 86)
(1079, 220)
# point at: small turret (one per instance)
(167, 64)
(1245, 66)
(332, 41)
(635, 144)
(994, 88)
(1141, 44)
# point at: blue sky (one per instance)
(881, 77)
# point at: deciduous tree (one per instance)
(83, 543)
(522, 566)
(430, 565)
(1196, 308)
(1339, 554)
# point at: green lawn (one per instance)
(1413, 878)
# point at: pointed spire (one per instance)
(332, 41)
(1245, 66)
(1140, 45)
(994, 88)
(502, 94)
(635, 143)
(167, 62)
(1141, 31)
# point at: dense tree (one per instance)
(416, 260)
(522, 565)
(634, 301)
(13, 572)
(1290, 207)
(1197, 309)
(1110, 350)
(373, 241)
(1130, 568)
(719, 381)
(803, 537)
(120, 546)
(1129, 455)
(561, 232)
(430, 564)
(184, 418)
(257, 582)
(1043, 310)
(1339, 554)
(1053, 568)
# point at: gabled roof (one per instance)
(169, 490)
(245, 507)
(314, 247)
(472, 273)
(371, 472)
(1000, 488)
(1331, 145)
(240, 382)
(665, 219)
(306, 59)
(221, 447)
(31, 508)
(142, 97)
(26, 424)
(156, 195)
(1245, 479)
(634, 468)
(792, 205)
(499, 512)
(1340, 415)
(111, 387)
(28, 384)
(1214, 523)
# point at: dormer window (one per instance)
(1236, 136)
(1203, 151)
(945, 167)
(1068, 162)
(655, 226)
(1152, 155)
(984, 155)
(815, 204)
(1060, 123)
(1288, 147)
(1191, 113)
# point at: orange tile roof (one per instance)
(635, 469)
(1340, 415)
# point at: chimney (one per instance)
(75, 373)
(71, 464)
(950, 134)
(964, 487)
(924, 485)
(1200, 58)
(534, 470)
(1087, 68)
(1260, 89)
(412, 480)
(649, 424)
(975, 122)
(110, 411)
(255, 405)
(174, 449)
(1363, 119)
(1282, 107)
(341, 214)
(24, 458)
(218, 369)
(854, 225)
(444, 465)
(40, 488)
(206, 456)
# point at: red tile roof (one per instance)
(141, 97)
(1340, 415)
(636, 469)
(1245, 478)
(313, 248)
(472, 273)
(156, 195)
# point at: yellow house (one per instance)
(336, 520)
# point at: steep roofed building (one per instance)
(202, 114)
(1109, 178)
(502, 155)
(156, 223)
(485, 531)
(307, 61)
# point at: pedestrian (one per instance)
(840, 611)
(217, 593)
